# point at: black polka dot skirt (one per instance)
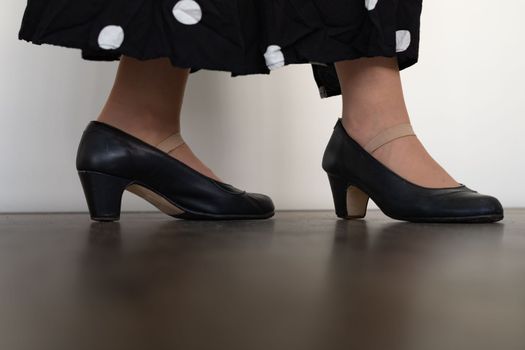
(238, 36)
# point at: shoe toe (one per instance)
(263, 203)
(477, 205)
(489, 205)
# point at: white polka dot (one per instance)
(402, 40)
(370, 4)
(274, 57)
(187, 12)
(111, 37)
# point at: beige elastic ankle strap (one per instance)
(171, 142)
(389, 134)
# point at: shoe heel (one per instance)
(103, 194)
(350, 202)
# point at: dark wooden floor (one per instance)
(302, 280)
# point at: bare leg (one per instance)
(372, 101)
(146, 102)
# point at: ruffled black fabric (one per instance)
(234, 35)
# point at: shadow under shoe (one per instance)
(355, 176)
(110, 161)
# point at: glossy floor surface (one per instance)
(302, 280)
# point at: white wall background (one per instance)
(267, 133)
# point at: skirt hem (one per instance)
(323, 70)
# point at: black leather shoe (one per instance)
(355, 176)
(110, 161)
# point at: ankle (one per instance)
(364, 127)
(143, 125)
